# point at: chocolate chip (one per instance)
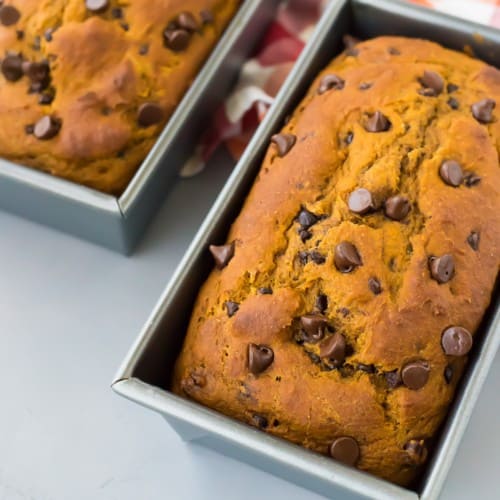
(348, 138)
(375, 286)
(393, 51)
(471, 179)
(143, 49)
(365, 368)
(314, 326)
(426, 92)
(456, 341)
(416, 451)
(365, 85)
(345, 449)
(304, 235)
(330, 82)
(231, 307)
(415, 375)
(46, 98)
(321, 303)
(48, 34)
(19, 34)
(333, 348)
(316, 257)
(149, 114)
(260, 421)
(377, 123)
(284, 143)
(47, 127)
(306, 218)
(9, 15)
(12, 68)
(187, 21)
(397, 207)
(265, 291)
(483, 110)
(451, 87)
(392, 379)
(448, 374)
(222, 254)
(473, 240)
(176, 40)
(206, 16)
(344, 311)
(346, 257)
(260, 357)
(124, 26)
(432, 80)
(303, 257)
(360, 201)
(442, 268)
(117, 13)
(453, 103)
(451, 173)
(38, 72)
(97, 6)
(29, 129)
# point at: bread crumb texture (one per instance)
(86, 86)
(363, 260)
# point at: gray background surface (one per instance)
(69, 311)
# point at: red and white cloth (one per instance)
(261, 77)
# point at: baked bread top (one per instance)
(350, 286)
(86, 86)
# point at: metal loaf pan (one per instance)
(118, 223)
(145, 372)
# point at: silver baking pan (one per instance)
(118, 222)
(145, 373)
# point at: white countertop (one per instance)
(69, 311)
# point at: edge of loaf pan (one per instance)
(145, 372)
(119, 222)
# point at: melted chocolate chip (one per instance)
(314, 326)
(392, 379)
(448, 374)
(12, 68)
(334, 349)
(306, 218)
(483, 110)
(416, 451)
(46, 98)
(415, 375)
(451, 173)
(117, 13)
(451, 87)
(231, 307)
(471, 179)
(206, 17)
(377, 123)
(321, 303)
(9, 15)
(365, 368)
(344, 311)
(125, 26)
(456, 341)
(426, 92)
(97, 6)
(304, 235)
(187, 21)
(20, 34)
(176, 39)
(260, 421)
(284, 143)
(432, 80)
(349, 138)
(375, 286)
(453, 103)
(313, 256)
(29, 129)
(346, 450)
(330, 82)
(397, 207)
(260, 357)
(346, 257)
(38, 73)
(143, 49)
(46, 128)
(394, 51)
(473, 240)
(222, 254)
(442, 268)
(48, 34)
(149, 114)
(365, 85)
(360, 201)
(265, 291)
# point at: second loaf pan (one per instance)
(144, 375)
(118, 223)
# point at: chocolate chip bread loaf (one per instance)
(86, 86)
(345, 301)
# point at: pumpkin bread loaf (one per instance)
(86, 86)
(346, 299)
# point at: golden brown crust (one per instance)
(298, 397)
(100, 80)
